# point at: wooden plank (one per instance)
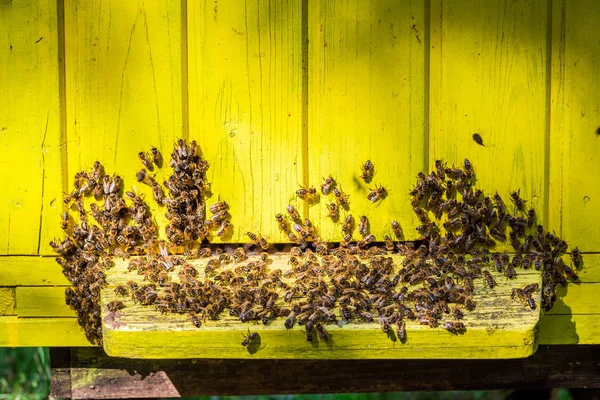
(30, 271)
(489, 76)
(245, 107)
(28, 332)
(123, 86)
(29, 126)
(578, 119)
(367, 87)
(570, 329)
(60, 376)
(498, 328)
(94, 375)
(577, 299)
(43, 302)
(7, 301)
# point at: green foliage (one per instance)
(24, 373)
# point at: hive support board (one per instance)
(499, 327)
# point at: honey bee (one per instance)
(219, 207)
(517, 200)
(157, 193)
(346, 240)
(397, 230)
(294, 215)
(64, 222)
(340, 197)
(333, 211)
(121, 290)
(363, 226)
(141, 175)
(258, 240)
(327, 184)
(576, 257)
(385, 324)
(156, 156)
(370, 238)
(367, 170)
(249, 338)
(115, 305)
(489, 279)
(376, 194)
(389, 244)
(323, 334)
(223, 228)
(401, 329)
(348, 224)
(531, 217)
(454, 326)
(306, 192)
(195, 319)
(144, 159)
(283, 225)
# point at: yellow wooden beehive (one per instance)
(279, 94)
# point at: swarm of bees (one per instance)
(356, 281)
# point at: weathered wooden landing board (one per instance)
(498, 328)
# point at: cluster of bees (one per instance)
(356, 281)
(116, 228)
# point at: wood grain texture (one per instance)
(30, 137)
(30, 271)
(94, 375)
(366, 91)
(42, 302)
(489, 76)
(570, 329)
(28, 332)
(245, 107)
(498, 328)
(7, 301)
(577, 123)
(123, 86)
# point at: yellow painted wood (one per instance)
(7, 301)
(489, 76)
(366, 101)
(29, 126)
(498, 328)
(579, 119)
(48, 332)
(577, 299)
(245, 107)
(570, 329)
(42, 302)
(30, 271)
(123, 85)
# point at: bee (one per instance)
(531, 288)
(489, 279)
(156, 156)
(239, 254)
(203, 252)
(515, 196)
(323, 334)
(195, 319)
(401, 329)
(290, 320)
(306, 192)
(457, 314)
(530, 217)
(576, 257)
(397, 230)
(121, 290)
(64, 222)
(115, 305)
(249, 338)
(454, 326)
(327, 184)
(389, 244)
(258, 240)
(346, 240)
(157, 193)
(340, 197)
(223, 228)
(294, 215)
(363, 226)
(467, 164)
(310, 330)
(367, 170)
(385, 324)
(218, 207)
(370, 238)
(376, 194)
(333, 211)
(348, 224)
(144, 159)
(283, 225)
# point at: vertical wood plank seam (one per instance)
(305, 44)
(43, 183)
(427, 84)
(60, 4)
(548, 132)
(185, 117)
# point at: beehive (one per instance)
(283, 93)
